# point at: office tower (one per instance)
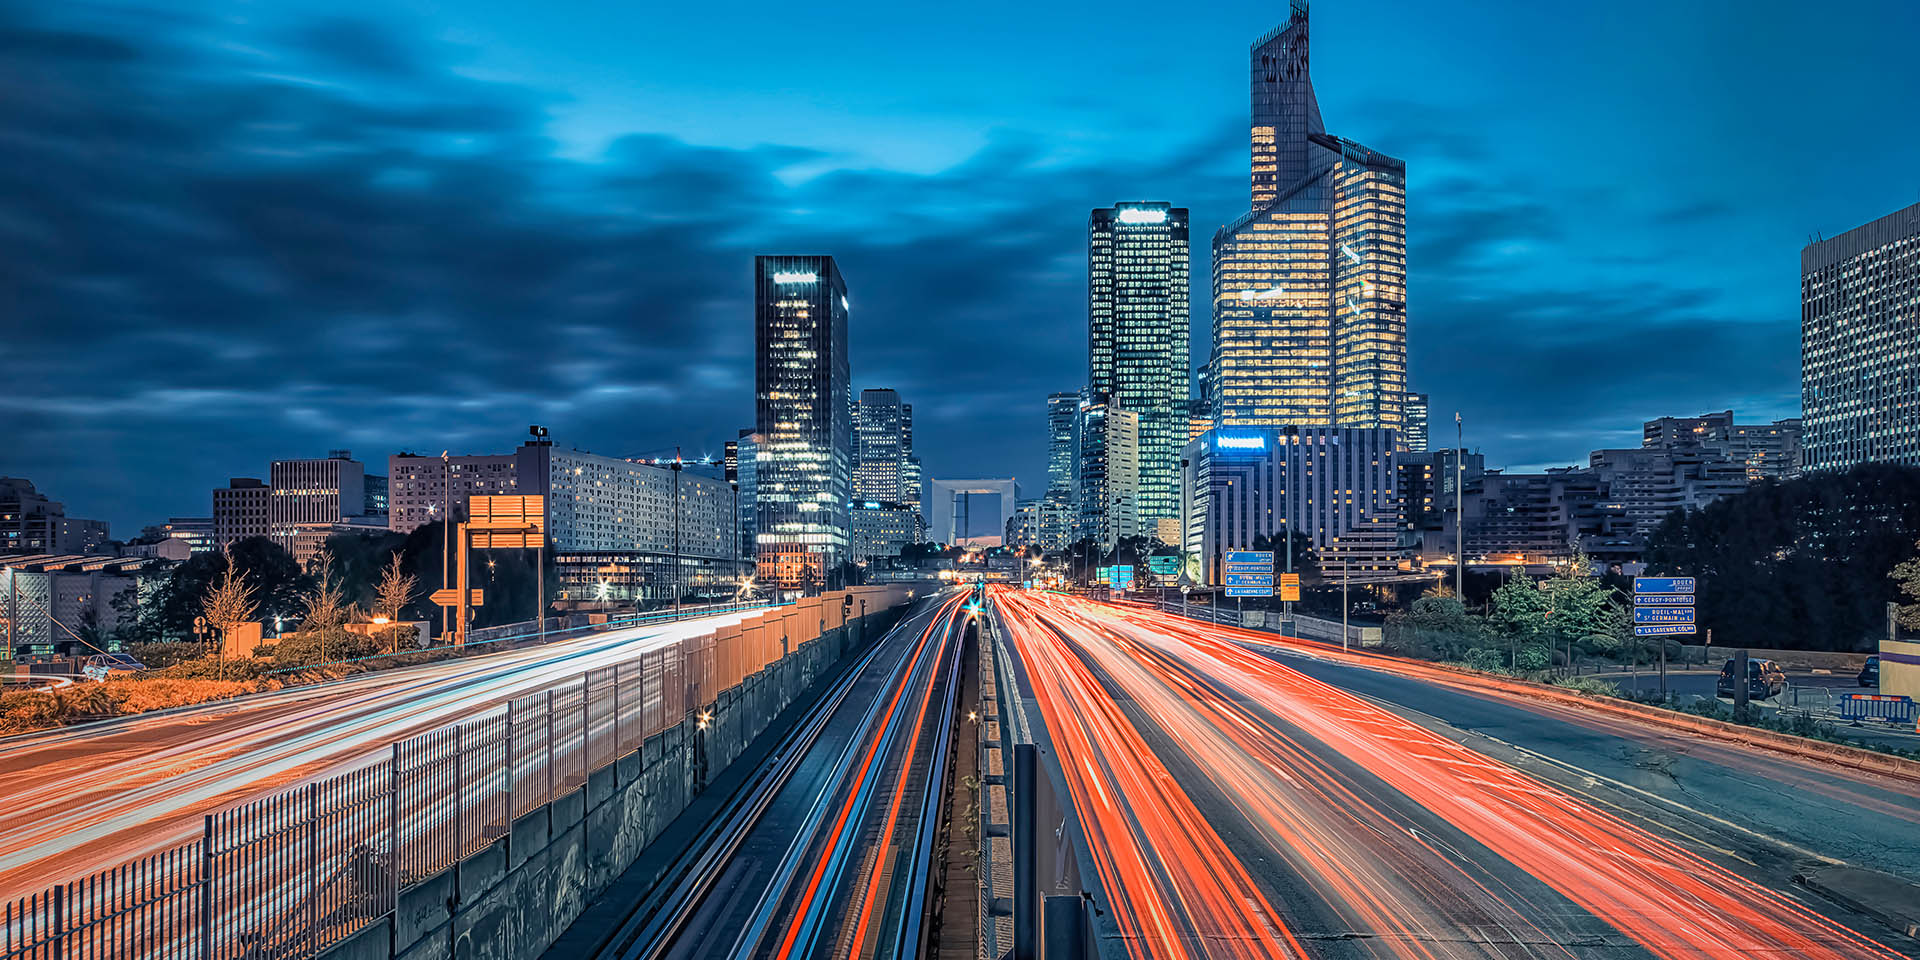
(748, 447)
(804, 416)
(1243, 484)
(311, 500)
(1106, 472)
(625, 530)
(1418, 411)
(423, 489)
(885, 432)
(240, 510)
(1137, 328)
(1309, 286)
(1859, 359)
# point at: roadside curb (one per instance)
(1884, 897)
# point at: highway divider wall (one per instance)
(510, 899)
(482, 839)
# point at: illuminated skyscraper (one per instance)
(804, 421)
(884, 427)
(1415, 435)
(1859, 359)
(1309, 286)
(1137, 320)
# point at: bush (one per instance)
(38, 709)
(308, 648)
(166, 653)
(213, 668)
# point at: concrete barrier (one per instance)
(513, 898)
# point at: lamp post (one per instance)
(446, 533)
(1459, 509)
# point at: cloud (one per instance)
(228, 249)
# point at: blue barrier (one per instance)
(1877, 706)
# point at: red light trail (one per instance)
(1423, 845)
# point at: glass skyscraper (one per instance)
(1859, 358)
(803, 419)
(1309, 286)
(1419, 413)
(1137, 329)
(884, 427)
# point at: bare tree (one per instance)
(230, 601)
(327, 606)
(395, 591)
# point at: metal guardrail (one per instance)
(290, 874)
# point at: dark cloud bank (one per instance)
(213, 258)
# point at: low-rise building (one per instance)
(66, 605)
(883, 529)
(30, 522)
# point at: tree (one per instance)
(1906, 576)
(395, 589)
(230, 600)
(327, 606)
(1797, 564)
(394, 592)
(1304, 562)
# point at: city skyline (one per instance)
(274, 292)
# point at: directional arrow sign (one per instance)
(1661, 629)
(1250, 579)
(1250, 556)
(1663, 599)
(1249, 591)
(1662, 614)
(449, 597)
(1663, 585)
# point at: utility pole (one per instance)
(1344, 576)
(678, 587)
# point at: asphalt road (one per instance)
(1286, 803)
(81, 799)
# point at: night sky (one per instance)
(239, 231)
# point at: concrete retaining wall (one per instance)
(511, 900)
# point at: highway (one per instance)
(825, 851)
(1242, 797)
(85, 798)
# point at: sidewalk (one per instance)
(1884, 897)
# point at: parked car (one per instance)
(100, 666)
(1764, 679)
(1870, 674)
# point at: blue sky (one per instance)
(239, 231)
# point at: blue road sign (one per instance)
(1663, 585)
(1250, 579)
(1662, 614)
(1663, 599)
(1249, 591)
(1661, 629)
(1250, 556)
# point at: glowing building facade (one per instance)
(1309, 286)
(1859, 358)
(804, 421)
(1137, 331)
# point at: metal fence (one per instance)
(287, 875)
